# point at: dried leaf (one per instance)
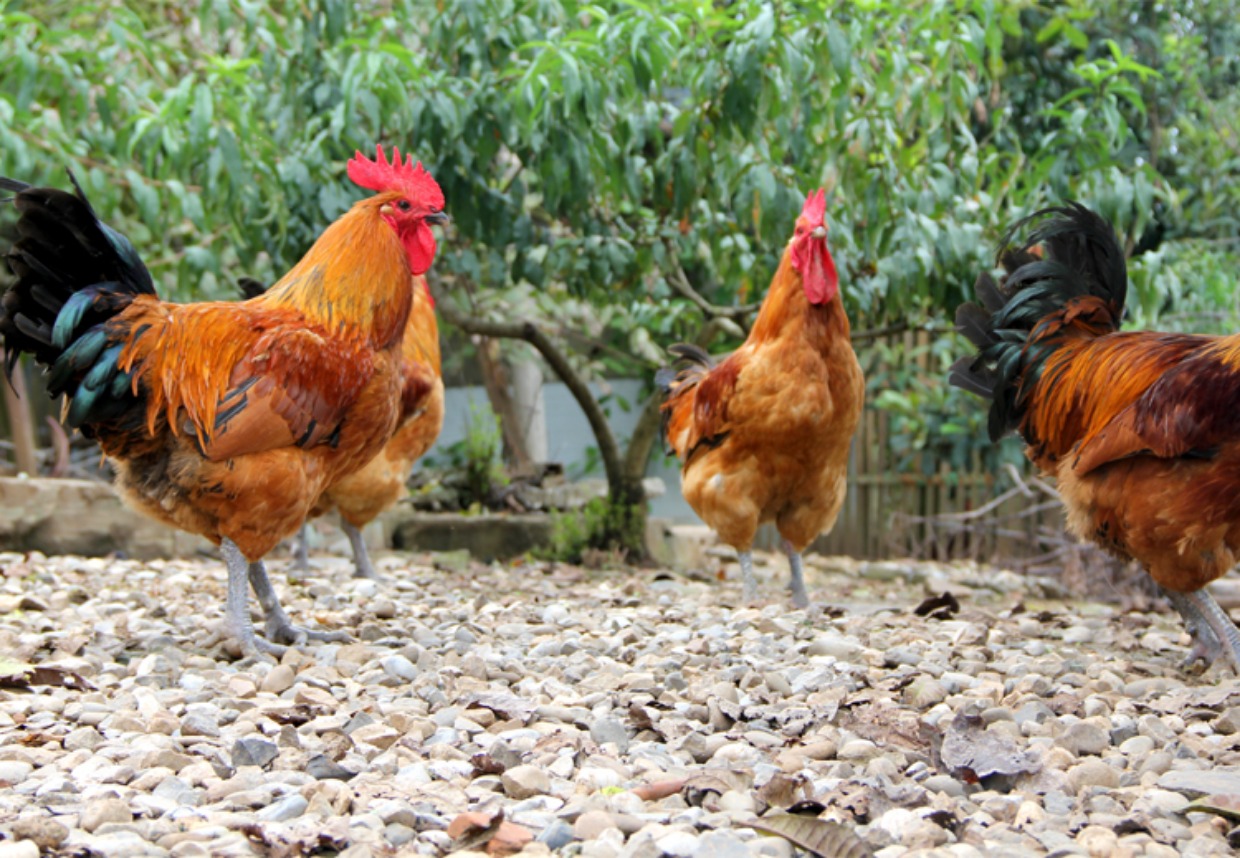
(474, 828)
(485, 764)
(295, 716)
(972, 753)
(281, 844)
(19, 674)
(640, 718)
(942, 607)
(510, 707)
(491, 832)
(1226, 806)
(821, 837)
(784, 790)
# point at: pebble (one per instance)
(251, 751)
(19, 849)
(525, 781)
(289, 807)
(99, 813)
(279, 680)
(553, 695)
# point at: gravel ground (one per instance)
(634, 712)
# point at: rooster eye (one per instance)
(404, 205)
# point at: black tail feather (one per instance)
(1080, 257)
(74, 273)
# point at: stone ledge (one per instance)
(63, 516)
(490, 536)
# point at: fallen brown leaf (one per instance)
(1226, 806)
(822, 837)
(19, 674)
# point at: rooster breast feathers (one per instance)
(240, 377)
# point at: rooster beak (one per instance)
(438, 217)
(820, 232)
(386, 210)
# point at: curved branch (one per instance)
(679, 281)
(642, 441)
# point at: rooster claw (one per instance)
(278, 628)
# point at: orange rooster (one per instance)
(1138, 427)
(227, 419)
(362, 495)
(764, 434)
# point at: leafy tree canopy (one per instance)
(614, 169)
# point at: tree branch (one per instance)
(608, 448)
(679, 281)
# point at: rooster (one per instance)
(362, 495)
(764, 434)
(227, 419)
(1137, 427)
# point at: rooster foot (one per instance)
(252, 644)
(279, 628)
(1215, 636)
(1205, 649)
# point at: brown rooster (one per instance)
(361, 496)
(227, 419)
(1138, 427)
(764, 435)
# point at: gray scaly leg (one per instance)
(278, 626)
(749, 583)
(1225, 632)
(1205, 645)
(800, 598)
(301, 549)
(363, 568)
(237, 606)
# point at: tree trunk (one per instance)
(20, 423)
(495, 380)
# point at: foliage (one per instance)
(597, 157)
(600, 526)
(475, 459)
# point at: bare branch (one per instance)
(679, 281)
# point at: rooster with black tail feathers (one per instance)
(1139, 428)
(227, 420)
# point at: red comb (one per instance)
(815, 207)
(409, 178)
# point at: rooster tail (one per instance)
(1020, 321)
(693, 362)
(74, 275)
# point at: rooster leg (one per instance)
(1205, 645)
(301, 549)
(800, 598)
(237, 606)
(363, 568)
(749, 583)
(278, 626)
(1220, 623)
